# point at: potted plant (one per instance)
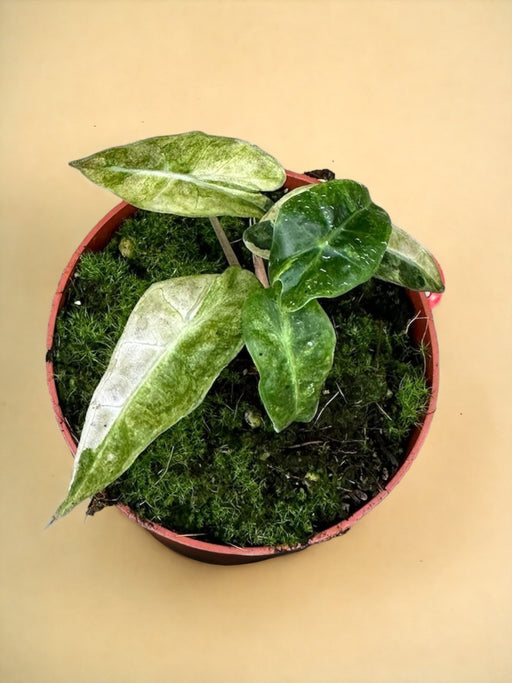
(311, 244)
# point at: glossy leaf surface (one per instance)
(405, 261)
(258, 238)
(179, 337)
(409, 264)
(327, 239)
(293, 352)
(191, 174)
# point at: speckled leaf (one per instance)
(191, 174)
(179, 337)
(293, 352)
(258, 237)
(405, 261)
(408, 263)
(326, 241)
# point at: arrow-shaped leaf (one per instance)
(405, 261)
(293, 353)
(191, 174)
(327, 239)
(409, 264)
(179, 337)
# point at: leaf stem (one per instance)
(259, 270)
(224, 242)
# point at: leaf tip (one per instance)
(52, 520)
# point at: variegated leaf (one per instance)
(293, 352)
(258, 238)
(407, 263)
(191, 174)
(179, 337)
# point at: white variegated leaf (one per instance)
(179, 337)
(407, 263)
(190, 174)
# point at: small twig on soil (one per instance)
(341, 393)
(224, 242)
(325, 406)
(302, 445)
(162, 473)
(382, 410)
(259, 270)
(413, 320)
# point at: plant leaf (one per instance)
(293, 352)
(258, 238)
(327, 239)
(191, 174)
(179, 337)
(407, 263)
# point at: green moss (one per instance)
(222, 472)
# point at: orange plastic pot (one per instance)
(422, 329)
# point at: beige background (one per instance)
(412, 99)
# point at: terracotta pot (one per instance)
(422, 329)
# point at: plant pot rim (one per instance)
(423, 327)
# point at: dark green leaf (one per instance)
(405, 261)
(293, 352)
(258, 237)
(327, 239)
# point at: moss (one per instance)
(222, 472)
